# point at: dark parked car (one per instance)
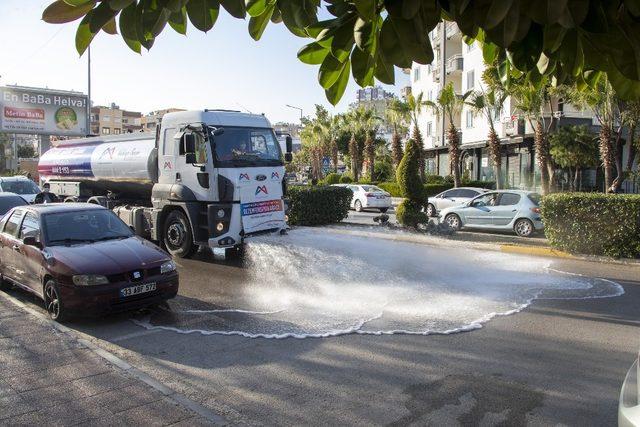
(9, 201)
(81, 258)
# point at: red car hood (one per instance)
(108, 257)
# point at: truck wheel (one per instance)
(177, 236)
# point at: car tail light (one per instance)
(369, 194)
(535, 210)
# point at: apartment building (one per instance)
(463, 66)
(150, 121)
(112, 120)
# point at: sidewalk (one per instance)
(49, 378)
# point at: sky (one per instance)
(224, 68)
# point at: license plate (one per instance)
(135, 290)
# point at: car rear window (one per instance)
(535, 198)
(8, 202)
(371, 188)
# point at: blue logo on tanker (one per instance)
(67, 161)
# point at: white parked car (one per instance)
(628, 404)
(454, 197)
(21, 185)
(368, 196)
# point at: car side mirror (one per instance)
(31, 241)
(288, 157)
(289, 144)
(190, 158)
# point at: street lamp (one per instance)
(296, 108)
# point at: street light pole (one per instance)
(89, 90)
(296, 108)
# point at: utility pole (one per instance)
(89, 90)
(443, 71)
(296, 108)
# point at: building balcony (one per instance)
(452, 30)
(455, 64)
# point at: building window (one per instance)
(416, 74)
(430, 95)
(429, 129)
(469, 121)
(471, 77)
(116, 131)
(106, 131)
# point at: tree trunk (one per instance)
(617, 155)
(353, 151)
(371, 155)
(417, 138)
(454, 153)
(334, 155)
(632, 148)
(606, 155)
(396, 149)
(542, 156)
(496, 157)
(576, 178)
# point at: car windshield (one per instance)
(372, 188)
(535, 198)
(20, 187)
(238, 147)
(63, 228)
(6, 203)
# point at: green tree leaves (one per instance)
(564, 39)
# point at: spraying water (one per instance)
(320, 283)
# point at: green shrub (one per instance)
(382, 171)
(407, 175)
(332, 178)
(409, 214)
(431, 190)
(391, 188)
(345, 179)
(489, 185)
(318, 205)
(434, 179)
(593, 223)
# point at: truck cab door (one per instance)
(194, 164)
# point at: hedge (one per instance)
(318, 205)
(332, 178)
(593, 223)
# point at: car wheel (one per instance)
(177, 236)
(524, 227)
(357, 206)
(431, 210)
(384, 210)
(453, 221)
(53, 303)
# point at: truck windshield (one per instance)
(238, 147)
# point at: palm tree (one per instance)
(415, 105)
(490, 105)
(450, 104)
(398, 115)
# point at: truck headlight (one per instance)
(89, 280)
(167, 267)
(220, 227)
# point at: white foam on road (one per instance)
(318, 283)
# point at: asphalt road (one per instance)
(558, 361)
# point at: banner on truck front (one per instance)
(43, 111)
(261, 206)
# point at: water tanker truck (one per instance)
(207, 178)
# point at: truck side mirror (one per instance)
(188, 143)
(289, 144)
(190, 158)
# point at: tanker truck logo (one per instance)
(261, 189)
(244, 176)
(275, 176)
(168, 165)
(108, 152)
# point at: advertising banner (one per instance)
(259, 209)
(42, 111)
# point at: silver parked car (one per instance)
(508, 210)
(20, 185)
(368, 196)
(454, 197)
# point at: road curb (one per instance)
(87, 341)
(535, 251)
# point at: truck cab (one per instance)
(221, 180)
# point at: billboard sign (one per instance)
(42, 111)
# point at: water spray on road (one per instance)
(320, 283)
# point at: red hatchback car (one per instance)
(81, 258)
